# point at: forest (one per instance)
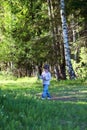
(35, 32)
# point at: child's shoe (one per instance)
(48, 98)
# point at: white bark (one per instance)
(66, 43)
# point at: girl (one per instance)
(46, 77)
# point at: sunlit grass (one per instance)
(21, 106)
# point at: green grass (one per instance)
(22, 108)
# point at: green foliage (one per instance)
(80, 69)
(77, 7)
(24, 32)
(21, 108)
(81, 66)
(22, 22)
(83, 55)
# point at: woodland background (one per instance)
(31, 35)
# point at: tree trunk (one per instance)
(57, 46)
(66, 43)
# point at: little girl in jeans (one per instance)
(46, 77)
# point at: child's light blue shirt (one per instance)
(46, 77)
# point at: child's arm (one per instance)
(43, 76)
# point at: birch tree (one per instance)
(66, 42)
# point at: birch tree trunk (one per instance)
(66, 42)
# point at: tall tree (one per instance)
(66, 42)
(57, 46)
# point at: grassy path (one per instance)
(22, 108)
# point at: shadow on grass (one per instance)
(20, 108)
(75, 90)
(63, 90)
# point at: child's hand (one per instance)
(44, 78)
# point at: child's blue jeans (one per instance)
(45, 91)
